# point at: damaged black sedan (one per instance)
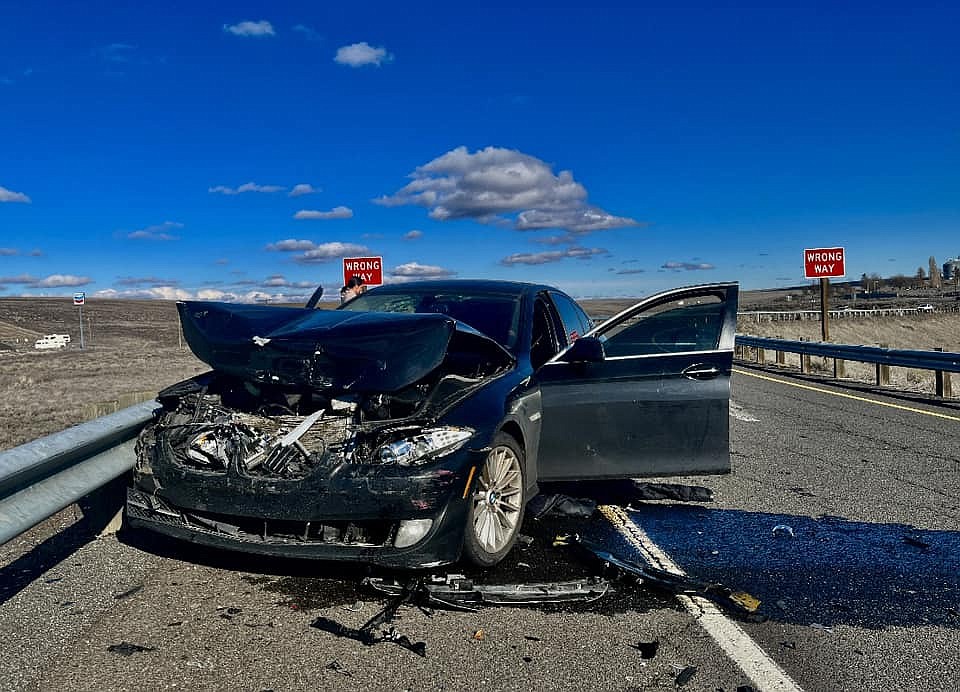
(411, 426)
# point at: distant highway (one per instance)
(865, 594)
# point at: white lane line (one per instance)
(736, 410)
(762, 670)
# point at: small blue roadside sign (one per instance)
(78, 298)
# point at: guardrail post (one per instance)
(804, 361)
(838, 369)
(944, 388)
(883, 371)
(761, 356)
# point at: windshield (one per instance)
(494, 314)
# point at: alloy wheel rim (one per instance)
(496, 500)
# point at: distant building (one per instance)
(951, 269)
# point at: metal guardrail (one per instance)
(944, 361)
(40, 478)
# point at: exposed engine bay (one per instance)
(287, 404)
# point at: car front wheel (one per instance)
(496, 505)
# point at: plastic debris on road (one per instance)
(782, 530)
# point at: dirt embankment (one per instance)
(131, 346)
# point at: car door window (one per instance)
(575, 320)
(674, 326)
(543, 345)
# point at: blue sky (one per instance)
(239, 151)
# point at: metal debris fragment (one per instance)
(128, 649)
(684, 676)
(462, 593)
(669, 581)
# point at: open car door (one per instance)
(644, 394)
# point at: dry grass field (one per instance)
(134, 346)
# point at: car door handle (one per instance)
(701, 372)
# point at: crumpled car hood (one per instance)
(331, 349)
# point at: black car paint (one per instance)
(509, 402)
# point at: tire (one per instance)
(496, 504)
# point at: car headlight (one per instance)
(425, 446)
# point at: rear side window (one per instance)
(575, 320)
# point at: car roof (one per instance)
(469, 286)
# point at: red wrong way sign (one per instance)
(824, 263)
(370, 269)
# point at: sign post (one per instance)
(370, 269)
(78, 299)
(824, 264)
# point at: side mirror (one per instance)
(586, 349)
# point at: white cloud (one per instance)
(246, 187)
(415, 270)
(326, 252)
(503, 187)
(248, 28)
(552, 256)
(412, 235)
(156, 293)
(158, 232)
(61, 280)
(19, 279)
(335, 213)
(174, 293)
(303, 189)
(686, 266)
(11, 196)
(280, 281)
(583, 220)
(291, 245)
(360, 54)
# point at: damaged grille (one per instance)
(204, 434)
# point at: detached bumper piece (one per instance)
(455, 590)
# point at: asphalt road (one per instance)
(864, 595)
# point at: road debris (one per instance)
(458, 591)
(824, 628)
(338, 668)
(228, 613)
(128, 649)
(647, 649)
(579, 499)
(782, 530)
(128, 592)
(674, 583)
(685, 675)
(478, 635)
